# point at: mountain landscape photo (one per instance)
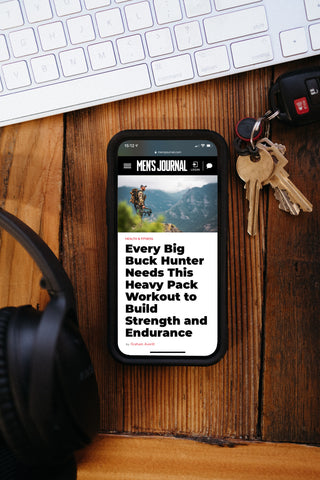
(190, 210)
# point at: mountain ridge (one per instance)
(191, 210)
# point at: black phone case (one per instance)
(112, 201)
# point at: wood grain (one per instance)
(292, 372)
(290, 377)
(119, 458)
(31, 157)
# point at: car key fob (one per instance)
(296, 95)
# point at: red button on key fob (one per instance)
(301, 105)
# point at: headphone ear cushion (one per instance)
(10, 425)
(18, 328)
(73, 406)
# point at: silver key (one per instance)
(279, 180)
(285, 203)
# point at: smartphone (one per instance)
(167, 246)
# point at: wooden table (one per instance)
(266, 388)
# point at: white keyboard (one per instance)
(61, 55)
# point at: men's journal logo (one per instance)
(162, 166)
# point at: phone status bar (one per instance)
(186, 148)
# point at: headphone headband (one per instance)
(56, 281)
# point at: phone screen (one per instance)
(168, 248)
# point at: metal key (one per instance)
(254, 173)
(285, 203)
(279, 180)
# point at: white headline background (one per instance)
(203, 341)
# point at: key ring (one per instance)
(268, 116)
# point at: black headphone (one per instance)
(49, 403)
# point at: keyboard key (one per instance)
(23, 42)
(293, 42)
(16, 75)
(188, 35)
(101, 55)
(212, 60)
(109, 22)
(130, 49)
(314, 31)
(44, 68)
(73, 62)
(66, 7)
(167, 11)
(52, 36)
(81, 29)
(138, 16)
(4, 52)
(313, 9)
(10, 15)
(38, 10)
(224, 4)
(78, 93)
(251, 52)
(235, 24)
(171, 70)
(197, 7)
(159, 42)
(96, 3)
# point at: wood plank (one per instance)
(139, 458)
(31, 157)
(217, 401)
(291, 394)
(84, 244)
(293, 300)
